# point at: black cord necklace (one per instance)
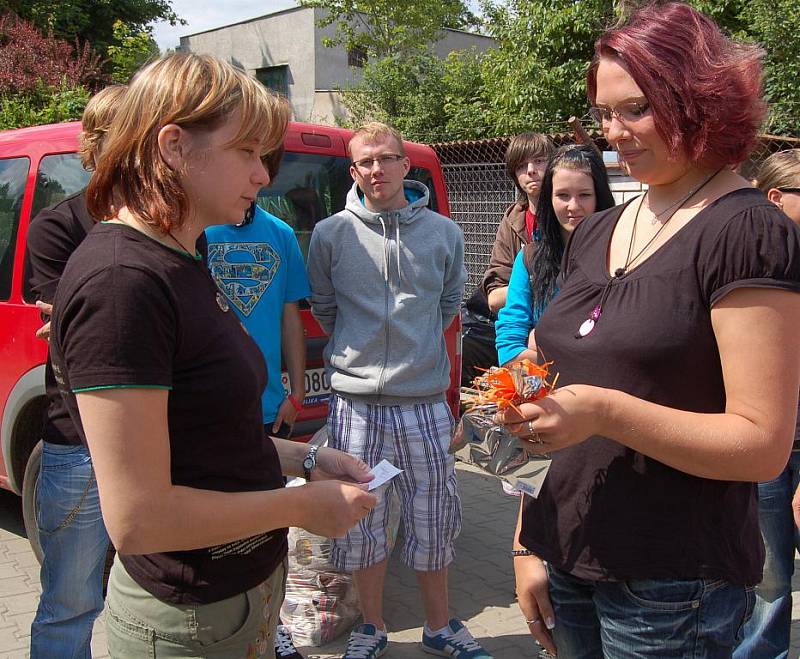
(222, 303)
(588, 325)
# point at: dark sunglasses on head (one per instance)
(795, 190)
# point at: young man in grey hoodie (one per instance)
(387, 277)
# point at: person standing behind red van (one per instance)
(387, 276)
(72, 535)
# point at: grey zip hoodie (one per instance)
(384, 286)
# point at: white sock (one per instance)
(444, 631)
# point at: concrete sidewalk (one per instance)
(481, 583)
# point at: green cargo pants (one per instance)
(139, 625)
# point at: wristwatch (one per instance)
(310, 462)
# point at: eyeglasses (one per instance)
(366, 164)
(627, 113)
(795, 190)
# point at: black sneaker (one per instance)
(284, 647)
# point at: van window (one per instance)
(310, 187)
(59, 177)
(13, 173)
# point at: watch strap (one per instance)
(309, 462)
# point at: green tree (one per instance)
(91, 21)
(426, 98)
(384, 28)
(130, 50)
(775, 24)
(536, 76)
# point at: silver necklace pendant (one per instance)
(222, 303)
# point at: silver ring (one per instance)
(532, 622)
(533, 436)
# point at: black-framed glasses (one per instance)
(366, 164)
(627, 113)
(790, 189)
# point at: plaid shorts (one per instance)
(415, 439)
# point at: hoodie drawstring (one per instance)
(386, 249)
(397, 249)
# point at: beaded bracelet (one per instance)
(521, 552)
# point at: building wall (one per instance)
(284, 38)
(292, 38)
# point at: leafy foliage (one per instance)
(775, 24)
(44, 105)
(131, 49)
(425, 98)
(29, 59)
(387, 28)
(91, 21)
(42, 79)
(537, 73)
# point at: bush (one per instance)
(43, 105)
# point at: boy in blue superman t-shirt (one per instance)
(259, 268)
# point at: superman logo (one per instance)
(243, 271)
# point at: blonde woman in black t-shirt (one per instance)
(165, 385)
(675, 336)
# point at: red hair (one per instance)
(704, 90)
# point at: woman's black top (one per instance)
(607, 511)
(133, 313)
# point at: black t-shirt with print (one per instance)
(131, 312)
(606, 511)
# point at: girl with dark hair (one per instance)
(674, 334)
(575, 185)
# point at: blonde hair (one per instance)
(373, 131)
(197, 93)
(96, 119)
(780, 170)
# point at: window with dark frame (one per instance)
(275, 78)
(356, 57)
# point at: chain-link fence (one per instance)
(479, 190)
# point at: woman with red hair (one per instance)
(675, 337)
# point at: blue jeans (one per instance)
(664, 618)
(767, 632)
(74, 544)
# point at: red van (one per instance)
(39, 167)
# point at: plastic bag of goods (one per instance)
(321, 603)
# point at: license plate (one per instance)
(318, 389)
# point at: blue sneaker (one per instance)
(365, 642)
(458, 643)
